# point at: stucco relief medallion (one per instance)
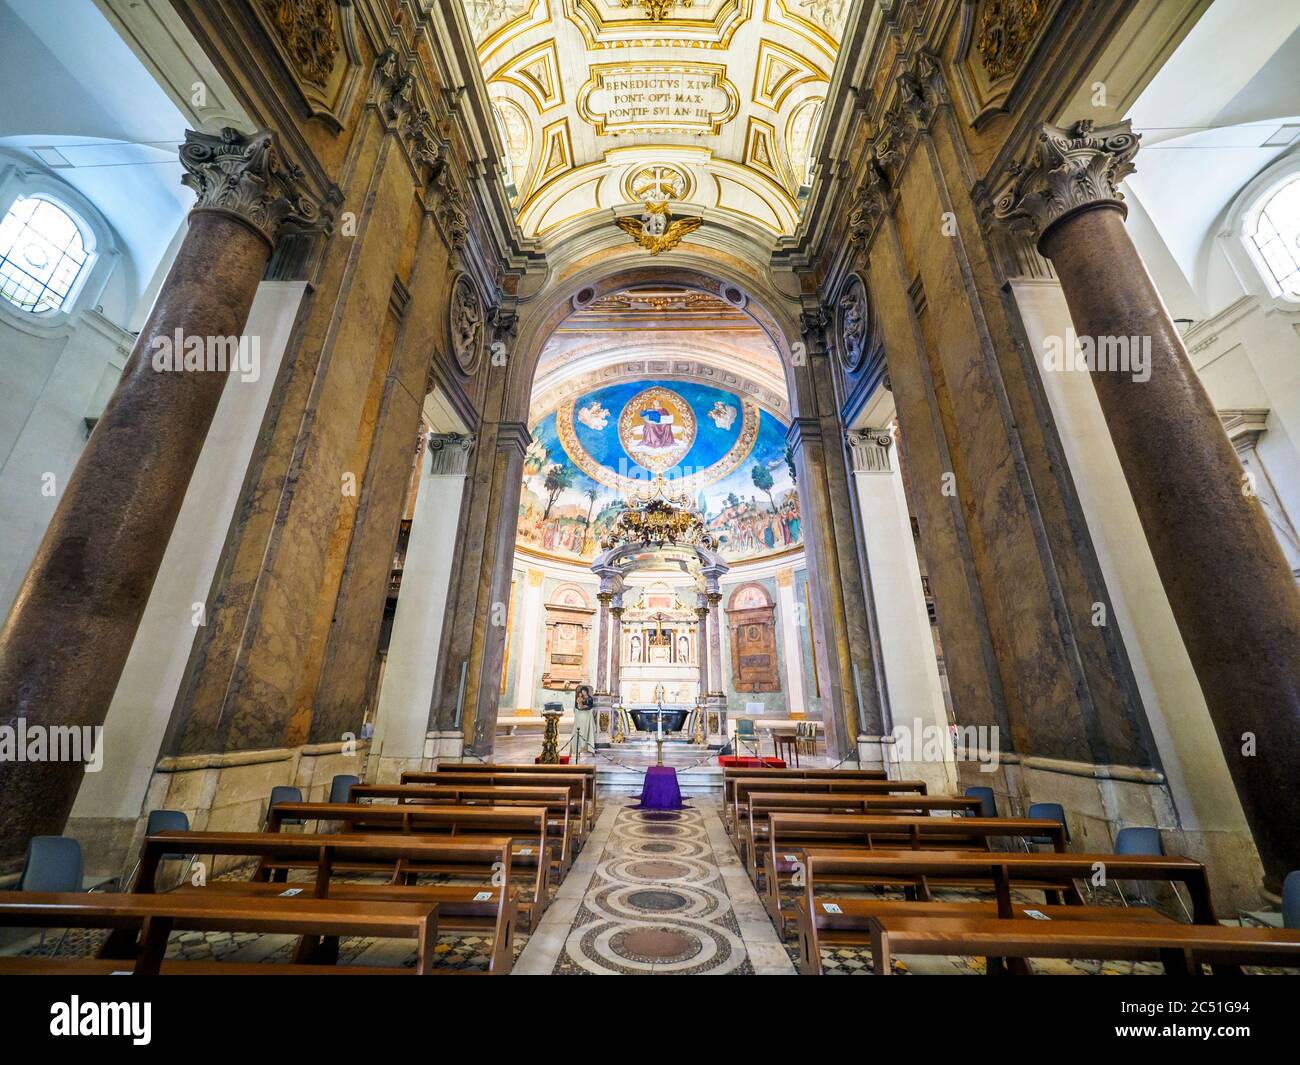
(466, 325)
(853, 326)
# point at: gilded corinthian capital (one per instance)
(245, 177)
(1071, 169)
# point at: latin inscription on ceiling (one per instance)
(676, 97)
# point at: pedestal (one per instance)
(602, 713)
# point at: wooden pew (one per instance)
(788, 834)
(581, 785)
(525, 828)
(156, 916)
(730, 774)
(848, 924)
(557, 801)
(743, 786)
(836, 802)
(1181, 948)
(563, 769)
(848, 919)
(491, 911)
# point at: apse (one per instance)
(717, 449)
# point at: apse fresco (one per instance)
(718, 451)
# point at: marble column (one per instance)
(702, 639)
(66, 640)
(602, 644)
(715, 644)
(1231, 590)
(616, 650)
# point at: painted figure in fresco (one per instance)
(722, 415)
(582, 698)
(657, 428)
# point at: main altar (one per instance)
(658, 663)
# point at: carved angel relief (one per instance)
(655, 229)
(466, 325)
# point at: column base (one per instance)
(445, 746)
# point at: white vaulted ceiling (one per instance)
(605, 104)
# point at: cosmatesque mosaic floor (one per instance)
(656, 893)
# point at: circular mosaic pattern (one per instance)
(659, 870)
(656, 903)
(658, 900)
(654, 945)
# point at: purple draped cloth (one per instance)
(660, 791)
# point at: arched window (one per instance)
(44, 252)
(1276, 238)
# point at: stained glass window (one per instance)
(42, 253)
(1277, 237)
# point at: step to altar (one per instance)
(621, 767)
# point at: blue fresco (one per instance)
(565, 511)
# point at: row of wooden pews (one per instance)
(822, 848)
(474, 850)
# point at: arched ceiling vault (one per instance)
(708, 106)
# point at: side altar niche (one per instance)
(656, 624)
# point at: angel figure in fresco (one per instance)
(723, 416)
(593, 416)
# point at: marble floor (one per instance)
(656, 893)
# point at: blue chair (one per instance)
(1142, 840)
(165, 821)
(285, 793)
(988, 806)
(1291, 900)
(747, 734)
(53, 863)
(1046, 811)
(341, 787)
(168, 821)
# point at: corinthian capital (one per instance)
(1071, 169)
(245, 177)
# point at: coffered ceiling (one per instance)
(710, 105)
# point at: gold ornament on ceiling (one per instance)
(1007, 28)
(655, 229)
(657, 183)
(306, 29)
(657, 10)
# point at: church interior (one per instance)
(614, 487)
